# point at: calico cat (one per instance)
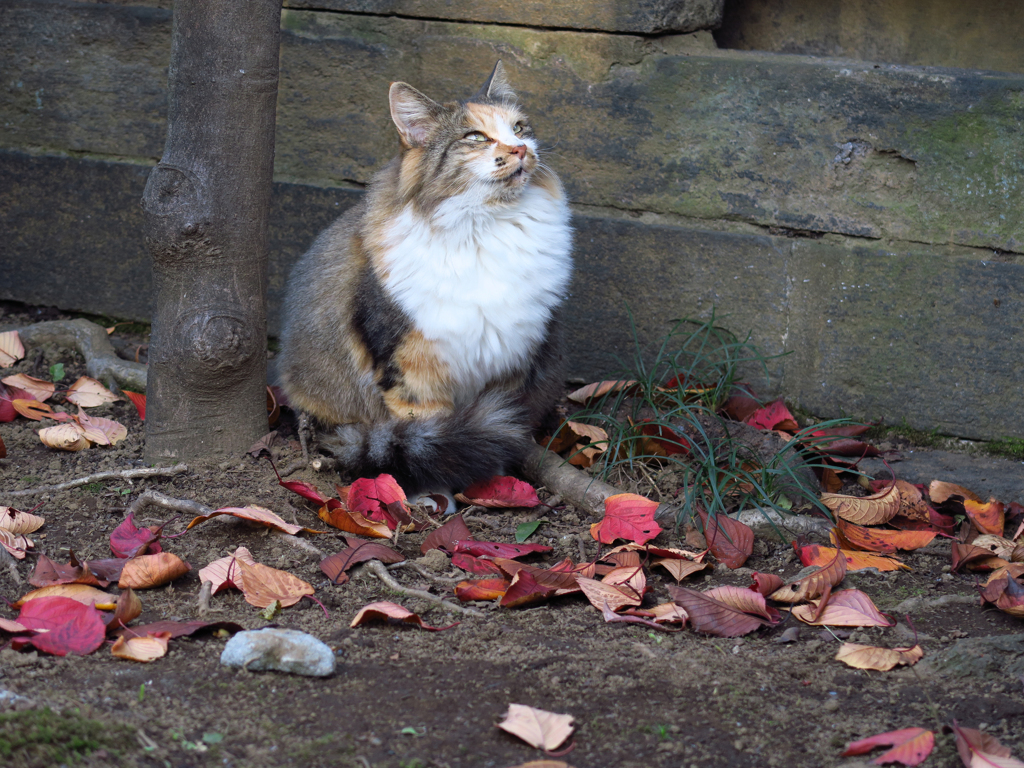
(421, 329)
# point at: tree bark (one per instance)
(206, 206)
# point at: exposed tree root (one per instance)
(378, 569)
(158, 499)
(123, 474)
(101, 362)
(575, 486)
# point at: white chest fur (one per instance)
(481, 281)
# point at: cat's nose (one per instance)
(519, 151)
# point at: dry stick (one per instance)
(101, 362)
(158, 499)
(545, 468)
(298, 543)
(377, 569)
(423, 572)
(124, 474)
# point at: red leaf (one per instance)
(475, 565)
(740, 407)
(138, 400)
(664, 440)
(525, 590)
(180, 628)
(773, 416)
(7, 397)
(910, 746)
(481, 589)
(447, 536)
(358, 551)
(73, 627)
(306, 490)
(497, 549)
(713, 617)
(371, 496)
(127, 540)
(729, 540)
(627, 516)
(500, 493)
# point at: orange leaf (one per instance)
(600, 594)
(879, 659)
(875, 509)
(224, 572)
(848, 608)
(627, 516)
(939, 491)
(253, 514)
(336, 515)
(262, 585)
(481, 589)
(728, 539)
(539, 729)
(32, 409)
(11, 349)
(815, 554)
(392, 612)
(989, 517)
(156, 570)
(138, 400)
(881, 539)
(145, 649)
(87, 393)
(83, 593)
(817, 584)
(40, 389)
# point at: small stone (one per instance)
(831, 705)
(280, 650)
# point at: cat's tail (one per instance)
(437, 453)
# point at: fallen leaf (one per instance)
(988, 517)
(846, 608)
(817, 584)
(773, 416)
(997, 545)
(600, 389)
(627, 516)
(939, 491)
(128, 608)
(766, 583)
(335, 566)
(64, 437)
(307, 491)
(538, 728)
(978, 558)
(144, 648)
(146, 571)
(662, 440)
(88, 393)
(371, 496)
(138, 400)
(600, 594)
(253, 514)
(729, 540)
(815, 554)
(668, 613)
(224, 573)
(391, 612)
(71, 626)
(128, 540)
(982, 750)
(11, 349)
(101, 431)
(910, 746)
(497, 549)
(879, 659)
(336, 515)
(40, 389)
(17, 522)
(880, 539)
(875, 509)
(714, 617)
(447, 535)
(47, 573)
(476, 564)
(32, 409)
(500, 493)
(745, 600)
(82, 593)
(17, 546)
(262, 585)
(481, 589)
(179, 628)
(524, 589)
(680, 569)
(632, 616)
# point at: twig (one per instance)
(298, 543)
(588, 493)
(423, 572)
(295, 466)
(101, 362)
(158, 499)
(377, 569)
(123, 474)
(205, 593)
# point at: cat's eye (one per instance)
(518, 128)
(475, 136)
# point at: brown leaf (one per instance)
(728, 539)
(144, 648)
(988, 517)
(680, 569)
(262, 585)
(253, 514)
(600, 594)
(87, 393)
(538, 728)
(817, 584)
(358, 551)
(156, 570)
(875, 509)
(978, 558)
(40, 389)
(17, 546)
(11, 349)
(64, 437)
(879, 659)
(939, 492)
(128, 608)
(713, 617)
(847, 608)
(387, 611)
(445, 537)
(746, 600)
(524, 589)
(599, 389)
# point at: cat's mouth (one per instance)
(515, 175)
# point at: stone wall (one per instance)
(861, 216)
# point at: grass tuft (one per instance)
(41, 737)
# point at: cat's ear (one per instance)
(496, 88)
(415, 115)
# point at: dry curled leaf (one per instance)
(145, 648)
(879, 659)
(253, 514)
(11, 349)
(388, 611)
(729, 540)
(40, 389)
(147, 571)
(939, 491)
(88, 393)
(712, 616)
(101, 431)
(910, 746)
(817, 584)
(848, 608)
(599, 389)
(538, 728)
(64, 437)
(614, 596)
(262, 585)
(17, 522)
(875, 509)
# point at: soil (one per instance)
(404, 697)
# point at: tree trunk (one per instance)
(206, 207)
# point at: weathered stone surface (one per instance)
(984, 34)
(871, 333)
(886, 152)
(279, 650)
(1000, 657)
(644, 16)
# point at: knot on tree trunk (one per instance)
(178, 206)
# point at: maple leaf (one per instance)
(500, 493)
(627, 516)
(910, 746)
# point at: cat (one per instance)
(421, 330)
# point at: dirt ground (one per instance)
(406, 698)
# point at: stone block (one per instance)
(639, 16)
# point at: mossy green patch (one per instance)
(1013, 447)
(39, 738)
